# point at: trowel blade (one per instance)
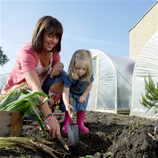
(73, 134)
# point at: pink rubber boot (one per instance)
(67, 121)
(80, 122)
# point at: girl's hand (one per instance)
(82, 99)
(56, 69)
(68, 108)
(53, 128)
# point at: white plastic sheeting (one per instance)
(147, 63)
(112, 86)
(3, 80)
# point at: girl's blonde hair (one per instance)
(85, 55)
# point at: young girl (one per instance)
(78, 85)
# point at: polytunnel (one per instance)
(3, 80)
(112, 86)
(147, 63)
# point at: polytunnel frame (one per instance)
(97, 77)
(96, 56)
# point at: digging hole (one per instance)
(89, 144)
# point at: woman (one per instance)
(38, 68)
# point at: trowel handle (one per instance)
(71, 111)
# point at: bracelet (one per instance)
(48, 116)
(47, 119)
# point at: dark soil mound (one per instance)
(110, 136)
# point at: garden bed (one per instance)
(111, 135)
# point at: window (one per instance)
(94, 66)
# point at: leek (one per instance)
(26, 104)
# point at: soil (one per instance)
(110, 136)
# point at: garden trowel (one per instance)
(73, 133)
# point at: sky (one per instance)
(102, 25)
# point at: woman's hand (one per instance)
(82, 99)
(53, 128)
(56, 69)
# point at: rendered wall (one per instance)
(140, 34)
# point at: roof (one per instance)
(144, 15)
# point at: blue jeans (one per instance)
(49, 81)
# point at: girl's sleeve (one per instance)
(56, 58)
(92, 78)
(67, 82)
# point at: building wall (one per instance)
(140, 34)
